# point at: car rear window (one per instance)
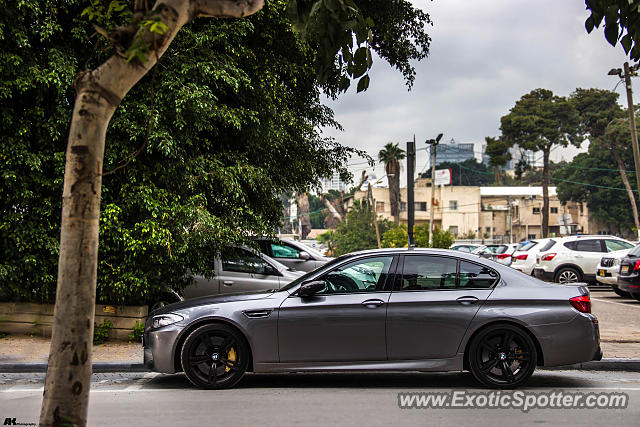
(548, 246)
(525, 246)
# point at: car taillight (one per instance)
(521, 257)
(502, 256)
(636, 266)
(548, 257)
(581, 303)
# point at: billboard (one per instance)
(443, 177)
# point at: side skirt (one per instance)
(429, 365)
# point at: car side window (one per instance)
(617, 245)
(244, 262)
(476, 276)
(281, 250)
(363, 275)
(425, 272)
(589, 245)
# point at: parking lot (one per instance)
(618, 319)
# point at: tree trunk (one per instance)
(545, 193)
(303, 214)
(99, 92)
(625, 180)
(393, 176)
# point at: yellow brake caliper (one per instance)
(231, 356)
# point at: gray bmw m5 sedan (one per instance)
(386, 310)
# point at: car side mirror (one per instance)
(304, 255)
(309, 288)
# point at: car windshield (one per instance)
(635, 252)
(525, 246)
(496, 249)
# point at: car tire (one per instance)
(567, 275)
(215, 356)
(620, 292)
(502, 356)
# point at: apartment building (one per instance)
(488, 212)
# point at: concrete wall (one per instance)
(37, 319)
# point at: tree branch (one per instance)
(227, 8)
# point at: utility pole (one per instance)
(632, 123)
(433, 143)
(411, 161)
(510, 220)
(372, 203)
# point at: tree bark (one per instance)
(545, 192)
(393, 175)
(99, 92)
(625, 180)
(303, 214)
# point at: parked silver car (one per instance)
(384, 310)
(241, 270)
(293, 254)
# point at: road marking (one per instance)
(615, 302)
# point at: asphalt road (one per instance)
(128, 399)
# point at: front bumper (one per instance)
(542, 274)
(159, 348)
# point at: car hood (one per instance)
(212, 299)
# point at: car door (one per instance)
(433, 301)
(588, 254)
(243, 271)
(343, 322)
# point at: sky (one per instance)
(485, 54)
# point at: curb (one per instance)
(98, 368)
(631, 365)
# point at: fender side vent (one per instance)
(257, 314)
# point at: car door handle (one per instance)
(228, 282)
(372, 303)
(467, 300)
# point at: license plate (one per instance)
(602, 273)
(624, 269)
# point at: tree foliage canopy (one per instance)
(232, 114)
(621, 23)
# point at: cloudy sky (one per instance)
(485, 54)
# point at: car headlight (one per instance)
(164, 320)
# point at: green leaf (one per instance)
(626, 42)
(363, 83)
(589, 24)
(611, 32)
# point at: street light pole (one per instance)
(433, 143)
(632, 122)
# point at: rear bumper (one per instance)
(629, 284)
(541, 274)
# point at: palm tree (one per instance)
(391, 155)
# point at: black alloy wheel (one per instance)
(214, 356)
(502, 356)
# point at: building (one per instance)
(456, 152)
(332, 183)
(488, 212)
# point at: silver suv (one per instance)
(293, 254)
(242, 270)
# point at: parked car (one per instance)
(575, 258)
(295, 255)
(464, 247)
(629, 275)
(241, 270)
(393, 309)
(524, 258)
(607, 271)
(499, 253)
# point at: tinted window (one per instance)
(570, 245)
(364, 275)
(589, 246)
(244, 262)
(617, 245)
(525, 246)
(423, 272)
(476, 276)
(548, 246)
(281, 250)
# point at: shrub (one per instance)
(101, 332)
(138, 330)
